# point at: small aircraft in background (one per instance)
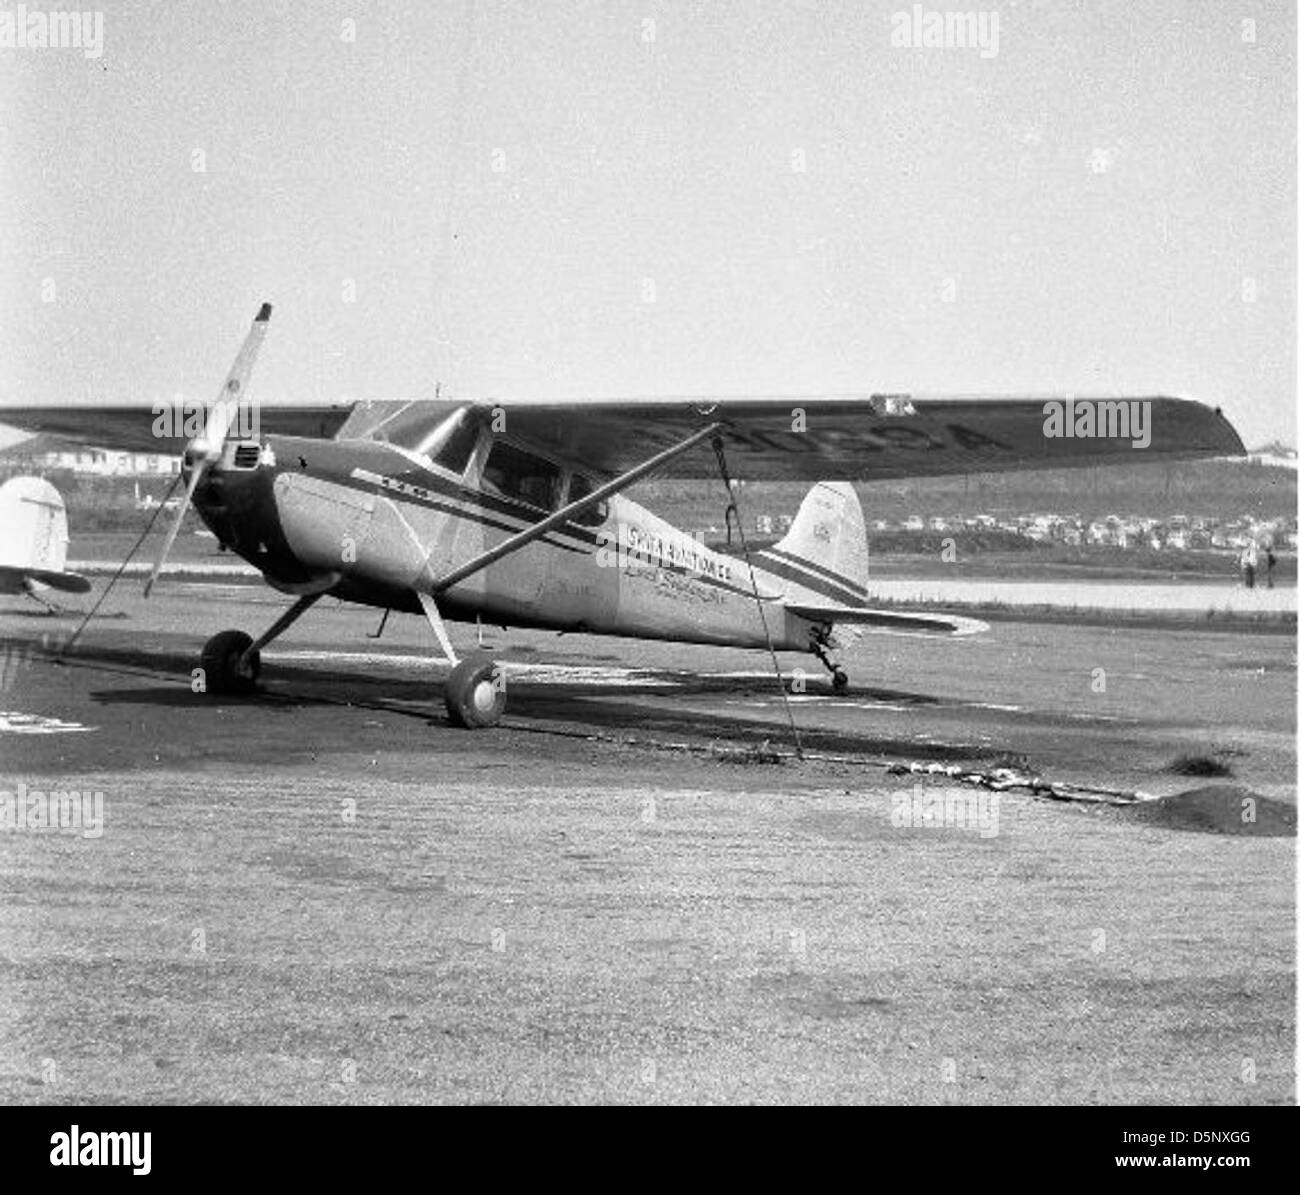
(149, 502)
(34, 541)
(515, 514)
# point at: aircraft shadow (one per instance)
(620, 712)
(639, 708)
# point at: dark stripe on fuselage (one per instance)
(817, 570)
(473, 498)
(809, 580)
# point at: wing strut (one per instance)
(719, 452)
(565, 513)
(432, 613)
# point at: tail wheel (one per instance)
(226, 668)
(476, 693)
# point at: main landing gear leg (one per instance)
(818, 644)
(232, 660)
(475, 692)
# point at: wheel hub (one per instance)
(484, 696)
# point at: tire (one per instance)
(220, 664)
(839, 680)
(475, 693)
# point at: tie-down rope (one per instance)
(734, 506)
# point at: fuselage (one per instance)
(372, 523)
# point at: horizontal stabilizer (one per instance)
(891, 620)
(67, 582)
(13, 579)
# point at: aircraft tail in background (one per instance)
(34, 538)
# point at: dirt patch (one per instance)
(1201, 765)
(747, 756)
(1217, 809)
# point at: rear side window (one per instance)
(593, 516)
(511, 472)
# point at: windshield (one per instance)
(447, 434)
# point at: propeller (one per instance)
(208, 445)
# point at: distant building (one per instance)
(101, 462)
(1276, 454)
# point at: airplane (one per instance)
(34, 541)
(516, 513)
(149, 502)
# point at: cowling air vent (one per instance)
(246, 456)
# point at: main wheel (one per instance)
(476, 693)
(839, 680)
(221, 663)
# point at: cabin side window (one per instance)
(511, 472)
(593, 516)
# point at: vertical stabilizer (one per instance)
(33, 526)
(825, 549)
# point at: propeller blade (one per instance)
(235, 388)
(209, 444)
(174, 530)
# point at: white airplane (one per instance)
(34, 541)
(516, 513)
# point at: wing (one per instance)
(871, 438)
(138, 428)
(889, 620)
(877, 437)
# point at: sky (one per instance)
(589, 200)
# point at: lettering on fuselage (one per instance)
(632, 545)
(395, 485)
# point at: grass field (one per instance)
(328, 895)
